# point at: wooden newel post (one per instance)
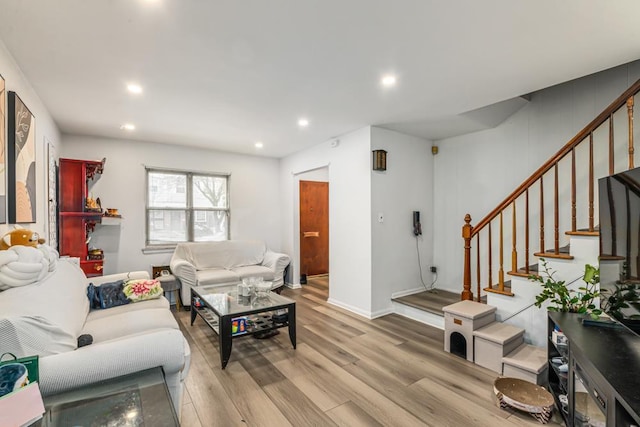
(466, 235)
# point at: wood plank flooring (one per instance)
(346, 371)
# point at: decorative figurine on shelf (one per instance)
(93, 204)
(20, 236)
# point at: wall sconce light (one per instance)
(379, 160)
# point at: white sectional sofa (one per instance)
(47, 317)
(229, 261)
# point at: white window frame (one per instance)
(190, 211)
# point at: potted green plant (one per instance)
(569, 300)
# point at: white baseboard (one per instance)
(407, 292)
(350, 308)
(293, 285)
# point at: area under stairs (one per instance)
(517, 340)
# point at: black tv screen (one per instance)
(619, 208)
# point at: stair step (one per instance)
(582, 233)
(611, 258)
(522, 272)
(494, 341)
(527, 362)
(551, 254)
(507, 289)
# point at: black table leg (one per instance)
(193, 310)
(292, 324)
(225, 340)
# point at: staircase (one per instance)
(541, 219)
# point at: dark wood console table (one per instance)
(602, 382)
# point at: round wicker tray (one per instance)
(525, 396)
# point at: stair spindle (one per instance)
(501, 270)
(574, 227)
(490, 260)
(591, 225)
(526, 231)
(542, 214)
(556, 214)
(478, 285)
(611, 150)
(514, 253)
(612, 215)
(630, 118)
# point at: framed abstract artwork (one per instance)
(3, 144)
(21, 162)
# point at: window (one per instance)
(186, 207)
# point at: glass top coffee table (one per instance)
(232, 316)
(138, 399)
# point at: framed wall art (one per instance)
(21, 162)
(3, 144)
(52, 186)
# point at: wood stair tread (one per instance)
(431, 302)
(522, 272)
(554, 255)
(495, 290)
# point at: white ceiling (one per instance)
(225, 74)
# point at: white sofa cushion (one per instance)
(254, 271)
(161, 302)
(226, 254)
(128, 323)
(216, 276)
(46, 317)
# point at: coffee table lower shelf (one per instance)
(260, 321)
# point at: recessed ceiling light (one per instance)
(259, 144)
(128, 126)
(303, 123)
(388, 80)
(134, 88)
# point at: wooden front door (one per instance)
(314, 227)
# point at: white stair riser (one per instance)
(533, 320)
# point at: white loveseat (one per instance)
(47, 317)
(229, 261)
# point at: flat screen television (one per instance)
(619, 208)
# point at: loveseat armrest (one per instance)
(114, 358)
(186, 272)
(276, 262)
(98, 280)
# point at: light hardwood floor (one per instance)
(346, 371)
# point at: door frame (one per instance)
(297, 177)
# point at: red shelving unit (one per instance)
(76, 221)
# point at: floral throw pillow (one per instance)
(142, 289)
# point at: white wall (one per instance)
(406, 186)
(46, 130)
(475, 172)
(254, 193)
(349, 167)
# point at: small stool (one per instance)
(494, 341)
(527, 362)
(171, 283)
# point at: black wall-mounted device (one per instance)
(417, 227)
